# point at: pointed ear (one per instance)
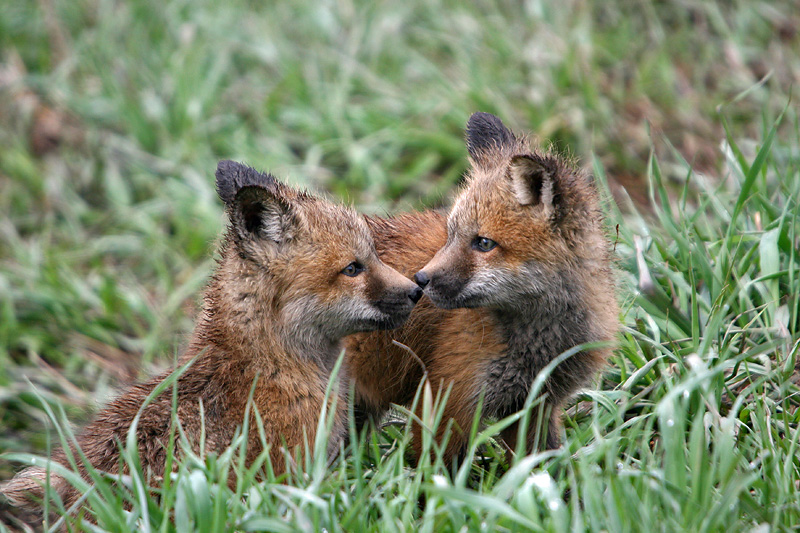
(259, 213)
(533, 180)
(232, 176)
(486, 134)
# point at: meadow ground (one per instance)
(113, 116)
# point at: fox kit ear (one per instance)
(533, 180)
(232, 176)
(264, 214)
(256, 207)
(486, 134)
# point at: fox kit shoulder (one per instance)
(296, 274)
(521, 272)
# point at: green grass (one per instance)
(114, 114)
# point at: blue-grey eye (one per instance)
(353, 269)
(483, 244)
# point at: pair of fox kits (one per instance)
(518, 273)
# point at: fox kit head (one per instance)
(522, 221)
(308, 262)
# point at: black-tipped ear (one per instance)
(233, 176)
(485, 133)
(259, 213)
(533, 180)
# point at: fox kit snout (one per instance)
(296, 274)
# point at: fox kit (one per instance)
(519, 272)
(296, 274)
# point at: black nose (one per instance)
(415, 294)
(422, 279)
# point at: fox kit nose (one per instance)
(415, 294)
(422, 279)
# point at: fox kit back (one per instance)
(296, 274)
(522, 274)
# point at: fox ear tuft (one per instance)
(233, 176)
(533, 180)
(263, 213)
(487, 133)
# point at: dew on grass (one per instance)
(694, 361)
(542, 481)
(439, 480)
(547, 488)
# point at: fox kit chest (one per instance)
(533, 340)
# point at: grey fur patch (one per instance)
(535, 337)
(493, 287)
(317, 327)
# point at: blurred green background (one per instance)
(114, 114)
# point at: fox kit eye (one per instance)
(483, 244)
(353, 269)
